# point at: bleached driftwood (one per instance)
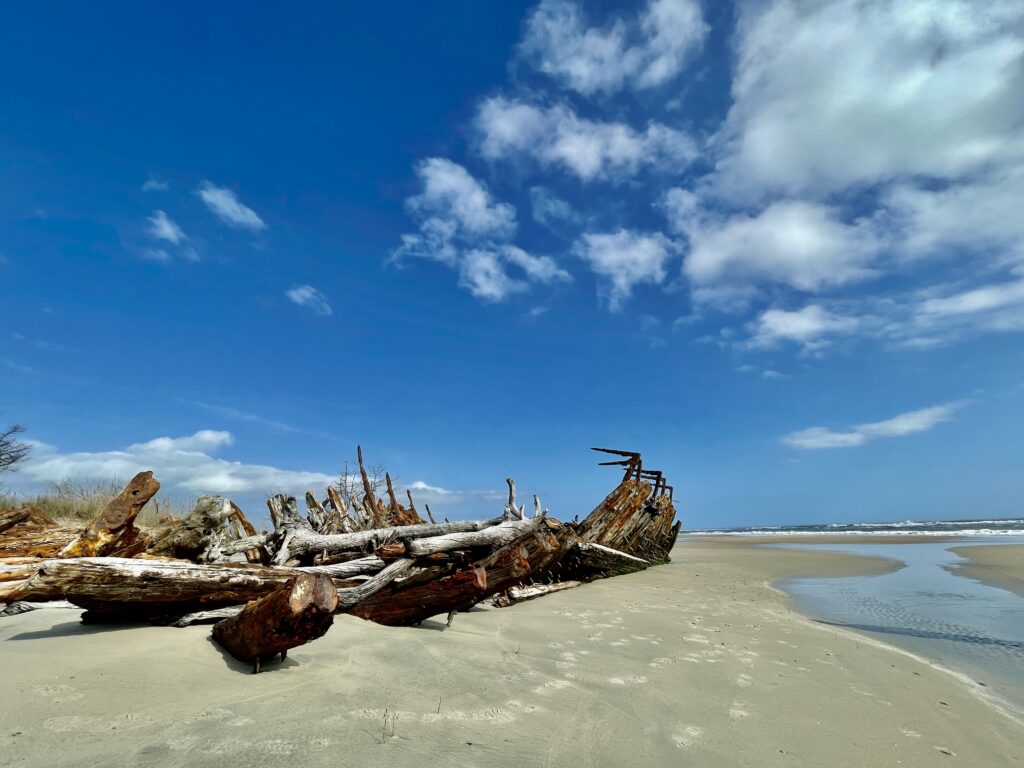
(494, 536)
(515, 595)
(302, 541)
(200, 535)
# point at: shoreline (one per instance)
(998, 565)
(700, 660)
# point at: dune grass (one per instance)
(73, 502)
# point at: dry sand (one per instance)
(695, 663)
(1000, 565)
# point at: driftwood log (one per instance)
(372, 557)
(113, 531)
(295, 613)
(200, 535)
(514, 595)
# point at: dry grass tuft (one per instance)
(76, 503)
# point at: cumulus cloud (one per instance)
(904, 112)
(223, 204)
(187, 463)
(483, 274)
(190, 464)
(162, 227)
(833, 94)
(980, 216)
(557, 137)
(809, 327)
(802, 245)
(450, 192)
(644, 52)
(462, 226)
(309, 297)
(623, 260)
(911, 422)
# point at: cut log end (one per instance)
(298, 612)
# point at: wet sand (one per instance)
(695, 663)
(999, 565)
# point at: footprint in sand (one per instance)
(635, 680)
(688, 736)
(744, 681)
(737, 712)
(58, 694)
(552, 685)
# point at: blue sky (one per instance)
(776, 246)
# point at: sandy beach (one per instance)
(1000, 566)
(698, 662)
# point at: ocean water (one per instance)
(923, 607)
(1009, 527)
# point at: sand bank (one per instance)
(694, 663)
(1000, 565)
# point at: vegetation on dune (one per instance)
(72, 502)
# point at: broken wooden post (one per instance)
(113, 530)
(512, 512)
(294, 614)
(369, 500)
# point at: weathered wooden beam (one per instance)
(113, 530)
(441, 589)
(293, 614)
(605, 561)
(26, 540)
(304, 542)
(493, 537)
(369, 499)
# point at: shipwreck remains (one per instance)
(366, 555)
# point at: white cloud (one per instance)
(155, 185)
(908, 423)
(624, 260)
(558, 137)
(643, 53)
(808, 326)
(829, 95)
(463, 227)
(309, 297)
(981, 216)
(549, 209)
(483, 275)
(977, 300)
(155, 254)
(452, 194)
(803, 245)
(162, 227)
(223, 203)
(190, 464)
(186, 463)
(541, 269)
